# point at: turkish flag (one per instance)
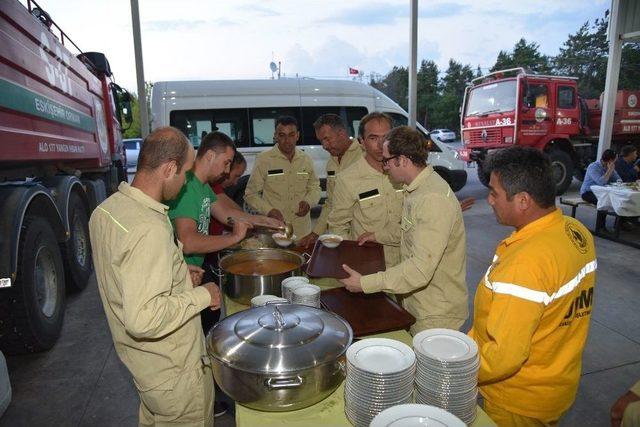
(353, 71)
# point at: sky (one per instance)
(237, 39)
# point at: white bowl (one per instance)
(281, 240)
(260, 300)
(331, 240)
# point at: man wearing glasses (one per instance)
(367, 205)
(430, 278)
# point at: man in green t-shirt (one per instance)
(191, 211)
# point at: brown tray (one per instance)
(365, 259)
(367, 313)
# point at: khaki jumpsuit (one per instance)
(277, 183)
(430, 279)
(335, 167)
(365, 200)
(152, 309)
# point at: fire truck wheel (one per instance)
(77, 250)
(483, 177)
(562, 167)
(33, 317)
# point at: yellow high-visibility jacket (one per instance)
(531, 317)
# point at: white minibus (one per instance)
(246, 110)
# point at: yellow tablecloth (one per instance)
(330, 411)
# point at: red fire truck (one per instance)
(513, 107)
(61, 154)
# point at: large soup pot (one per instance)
(242, 287)
(279, 357)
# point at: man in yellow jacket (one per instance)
(283, 184)
(344, 151)
(533, 306)
(150, 302)
(430, 279)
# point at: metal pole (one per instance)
(137, 46)
(413, 72)
(611, 82)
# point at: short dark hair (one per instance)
(216, 141)
(375, 115)
(408, 142)
(628, 149)
(238, 159)
(287, 121)
(163, 145)
(332, 120)
(524, 169)
(608, 155)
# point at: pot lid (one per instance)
(279, 338)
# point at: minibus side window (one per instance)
(263, 123)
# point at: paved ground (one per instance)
(81, 382)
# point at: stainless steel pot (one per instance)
(241, 288)
(279, 357)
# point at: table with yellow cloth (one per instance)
(330, 411)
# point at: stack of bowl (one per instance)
(308, 294)
(290, 283)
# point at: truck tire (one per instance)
(78, 264)
(562, 167)
(483, 176)
(32, 318)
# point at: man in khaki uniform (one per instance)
(334, 137)
(430, 279)
(150, 302)
(283, 184)
(366, 203)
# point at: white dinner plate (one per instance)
(416, 415)
(381, 355)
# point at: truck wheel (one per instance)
(562, 167)
(483, 176)
(77, 250)
(35, 302)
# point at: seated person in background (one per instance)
(626, 409)
(600, 172)
(625, 167)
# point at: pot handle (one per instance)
(306, 258)
(279, 383)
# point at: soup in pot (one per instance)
(266, 267)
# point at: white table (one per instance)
(623, 200)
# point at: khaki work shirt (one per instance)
(430, 280)
(277, 183)
(365, 200)
(151, 305)
(334, 167)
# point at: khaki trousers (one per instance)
(436, 322)
(186, 400)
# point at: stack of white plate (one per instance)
(260, 300)
(415, 415)
(290, 283)
(380, 374)
(447, 371)
(308, 294)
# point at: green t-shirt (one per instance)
(194, 202)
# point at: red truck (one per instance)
(61, 155)
(513, 107)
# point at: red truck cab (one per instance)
(512, 107)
